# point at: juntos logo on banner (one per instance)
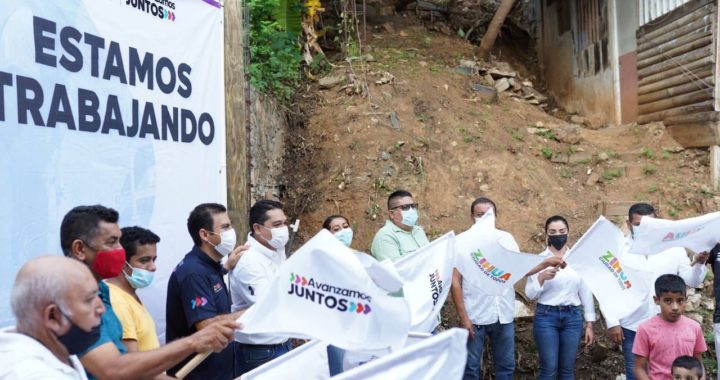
(496, 274)
(436, 285)
(613, 264)
(163, 9)
(330, 296)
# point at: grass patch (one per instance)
(648, 153)
(516, 135)
(611, 174)
(649, 169)
(547, 152)
(652, 189)
(548, 134)
(565, 173)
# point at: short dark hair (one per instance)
(556, 218)
(670, 283)
(133, 237)
(483, 200)
(258, 211)
(82, 222)
(641, 209)
(201, 218)
(398, 194)
(688, 362)
(329, 219)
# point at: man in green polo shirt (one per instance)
(399, 236)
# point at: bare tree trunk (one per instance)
(493, 29)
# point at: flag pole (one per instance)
(189, 366)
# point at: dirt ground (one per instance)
(448, 147)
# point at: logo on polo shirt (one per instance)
(332, 297)
(217, 287)
(198, 301)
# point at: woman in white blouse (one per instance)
(558, 322)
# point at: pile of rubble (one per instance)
(500, 80)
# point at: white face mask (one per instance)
(280, 237)
(228, 240)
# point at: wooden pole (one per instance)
(493, 29)
(236, 135)
(715, 166)
(194, 362)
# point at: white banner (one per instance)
(116, 102)
(427, 274)
(323, 291)
(485, 263)
(441, 356)
(697, 234)
(619, 289)
(309, 361)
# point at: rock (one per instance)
(592, 179)
(603, 156)
(709, 305)
(388, 27)
(514, 84)
(502, 85)
(576, 119)
(469, 71)
(522, 310)
(580, 158)
(560, 158)
(568, 134)
(394, 120)
(527, 83)
(468, 63)
(384, 156)
(489, 79)
(385, 78)
(331, 81)
(403, 33)
(620, 377)
(695, 317)
(484, 187)
(486, 93)
(540, 124)
(534, 131)
(497, 73)
(422, 63)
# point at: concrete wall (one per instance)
(593, 95)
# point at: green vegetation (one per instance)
(565, 173)
(548, 134)
(611, 174)
(665, 154)
(515, 134)
(274, 50)
(547, 152)
(648, 153)
(652, 189)
(649, 169)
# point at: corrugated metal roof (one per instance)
(649, 10)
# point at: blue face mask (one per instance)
(409, 217)
(140, 278)
(345, 236)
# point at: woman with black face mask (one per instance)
(562, 299)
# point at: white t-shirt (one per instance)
(566, 289)
(23, 357)
(672, 261)
(250, 280)
(485, 309)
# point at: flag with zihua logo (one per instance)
(654, 235)
(485, 263)
(427, 274)
(324, 292)
(597, 258)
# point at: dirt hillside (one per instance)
(409, 117)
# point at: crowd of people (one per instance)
(79, 316)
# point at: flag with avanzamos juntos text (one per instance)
(485, 263)
(427, 274)
(324, 292)
(697, 234)
(597, 258)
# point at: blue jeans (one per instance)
(502, 343)
(627, 346)
(557, 331)
(335, 359)
(251, 356)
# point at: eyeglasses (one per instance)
(406, 207)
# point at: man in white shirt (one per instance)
(489, 315)
(58, 311)
(253, 275)
(672, 261)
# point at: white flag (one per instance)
(323, 291)
(310, 360)
(485, 263)
(427, 274)
(441, 356)
(383, 273)
(697, 234)
(619, 289)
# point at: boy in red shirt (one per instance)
(668, 335)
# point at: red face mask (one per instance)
(109, 264)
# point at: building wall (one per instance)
(591, 94)
(627, 24)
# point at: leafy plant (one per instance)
(565, 173)
(548, 134)
(665, 154)
(274, 49)
(652, 189)
(547, 152)
(611, 174)
(515, 134)
(649, 169)
(648, 153)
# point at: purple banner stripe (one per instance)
(214, 3)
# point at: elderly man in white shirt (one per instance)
(252, 276)
(485, 315)
(672, 261)
(58, 311)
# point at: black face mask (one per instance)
(77, 340)
(557, 241)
